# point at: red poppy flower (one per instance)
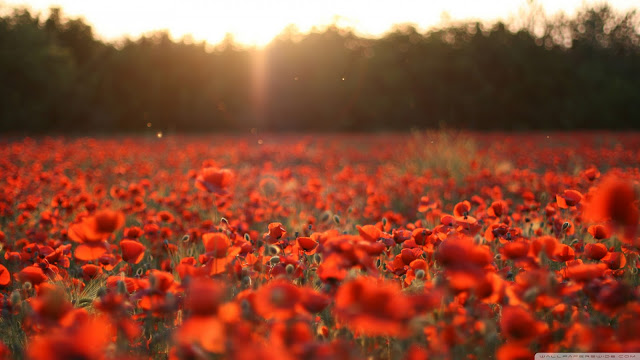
(85, 341)
(563, 253)
(585, 272)
(5, 276)
(90, 251)
(92, 231)
(313, 301)
(90, 271)
(425, 204)
(615, 200)
(133, 232)
(204, 296)
(132, 251)
(165, 216)
(595, 251)
(497, 208)
(373, 308)
(546, 243)
(462, 209)
(32, 274)
(276, 232)
(515, 249)
(307, 244)
(464, 261)
(518, 324)
(216, 244)
(214, 180)
(599, 232)
(277, 300)
(514, 352)
(131, 284)
(369, 232)
(615, 260)
(591, 174)
(50, 305)
(568, 198)
(207, 332)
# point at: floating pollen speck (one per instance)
(159, 134)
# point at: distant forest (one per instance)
(560, 72)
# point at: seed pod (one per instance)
(15, 298)
(290, 268)
(273, 250)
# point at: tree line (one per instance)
(581, 72)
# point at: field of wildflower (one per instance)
(440, 245)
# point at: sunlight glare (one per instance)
(257, 22)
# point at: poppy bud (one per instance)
(530, 295)
(246, 281)
(247, 237)
(325, 216)
(85, 302)
(290, 269)
(15, 297)
(420, 274)
(336, 219)
(27, 285)
(317, 258)
(101, 292)
(384, 221)
(272, 250)
(185, 238)
(274, 260)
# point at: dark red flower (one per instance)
(214, 180)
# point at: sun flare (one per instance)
(257, 22)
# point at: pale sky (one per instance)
(256, 22)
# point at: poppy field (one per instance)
(437, 245)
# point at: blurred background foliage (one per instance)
(556, 72)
